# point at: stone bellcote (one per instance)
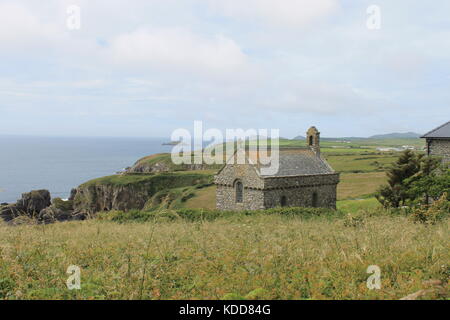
(313, 139)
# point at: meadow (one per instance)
(170, 254)
(257, 257)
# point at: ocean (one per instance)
(60, 164)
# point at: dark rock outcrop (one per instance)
(37, 207)
(10, 212)
(79, 216)
(73, 194)
(29, 205)
(52, 214)
(33, 202)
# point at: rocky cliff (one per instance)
(126, 192)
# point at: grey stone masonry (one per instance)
(438, 142)
(439, 148)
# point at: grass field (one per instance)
(351, 143)
(360, 162)
(357, 205)
(204, 198)
(265, 257)
(356, 185)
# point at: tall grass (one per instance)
(199, 215)
(276, 256)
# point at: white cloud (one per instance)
(320, 98)
(177, 49)
(22, 29)
(285, 12)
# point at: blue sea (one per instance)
(60, 164)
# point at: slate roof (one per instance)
(295, 162)
(440, 132)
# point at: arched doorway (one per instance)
(315, 200)
(283, 201)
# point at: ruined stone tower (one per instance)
(313, 140)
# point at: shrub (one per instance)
(439, 210)
(59, 203)
(430, 186)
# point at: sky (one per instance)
(144, 68)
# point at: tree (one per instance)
(395, 193)
(414, 178)
(432, 185)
